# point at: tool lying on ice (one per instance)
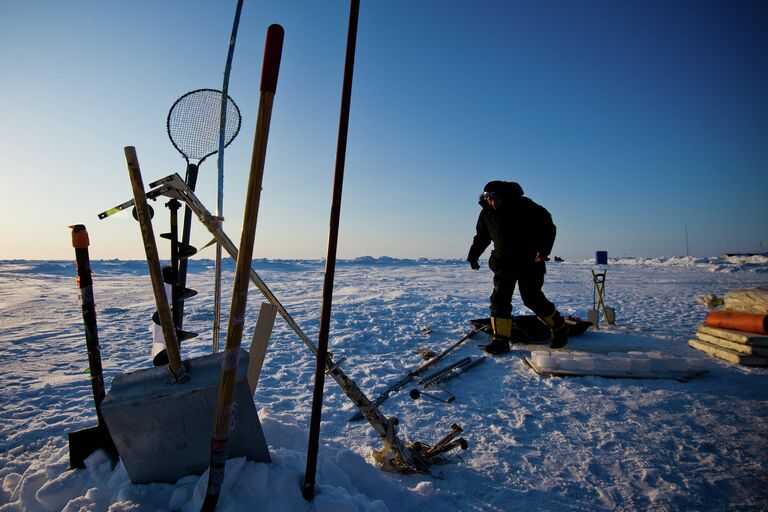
(416, 394)
(451, 371)
(411, 375)
(443, 375)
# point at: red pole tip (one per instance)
(79, 236)
(273, 51)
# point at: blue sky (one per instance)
(629, 121)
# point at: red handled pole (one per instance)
(80, 242)
(269, 73)
(308, 491)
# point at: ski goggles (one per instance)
(487, 196)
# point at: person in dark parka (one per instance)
(523, 234)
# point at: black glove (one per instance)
(474, 264)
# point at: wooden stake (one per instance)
(153, 263)
(258, 348)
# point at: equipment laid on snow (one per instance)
(445, 374)
(445, 445)
(734, 346)
(451, 371)
(416, 394)
(738, 333)
(747, 300)
(411, 375)
(85, 441)
(738, 321)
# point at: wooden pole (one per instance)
(220, 440)
(258, 349)
(308, 490)
(153, 264)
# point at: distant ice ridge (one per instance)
(756, 263)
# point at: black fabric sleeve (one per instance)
(481, 241)
(547, 231)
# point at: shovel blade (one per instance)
(163, 428)
(84, 442)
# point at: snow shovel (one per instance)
(593, 315)
(86, 441)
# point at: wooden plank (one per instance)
(728, 355)
(258, 348)
(742, 348)
(757, 340)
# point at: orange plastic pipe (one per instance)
(746, 322)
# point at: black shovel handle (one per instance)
(81, 242)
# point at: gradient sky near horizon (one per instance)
(635, 123)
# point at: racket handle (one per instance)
(272, 52)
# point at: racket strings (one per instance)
(194, 121)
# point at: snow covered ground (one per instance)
(535, 443)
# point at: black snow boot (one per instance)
(559, 336)
(502, 330)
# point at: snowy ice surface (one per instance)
(535, 443)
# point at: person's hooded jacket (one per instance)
(520, 229)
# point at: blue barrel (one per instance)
(601, 258)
